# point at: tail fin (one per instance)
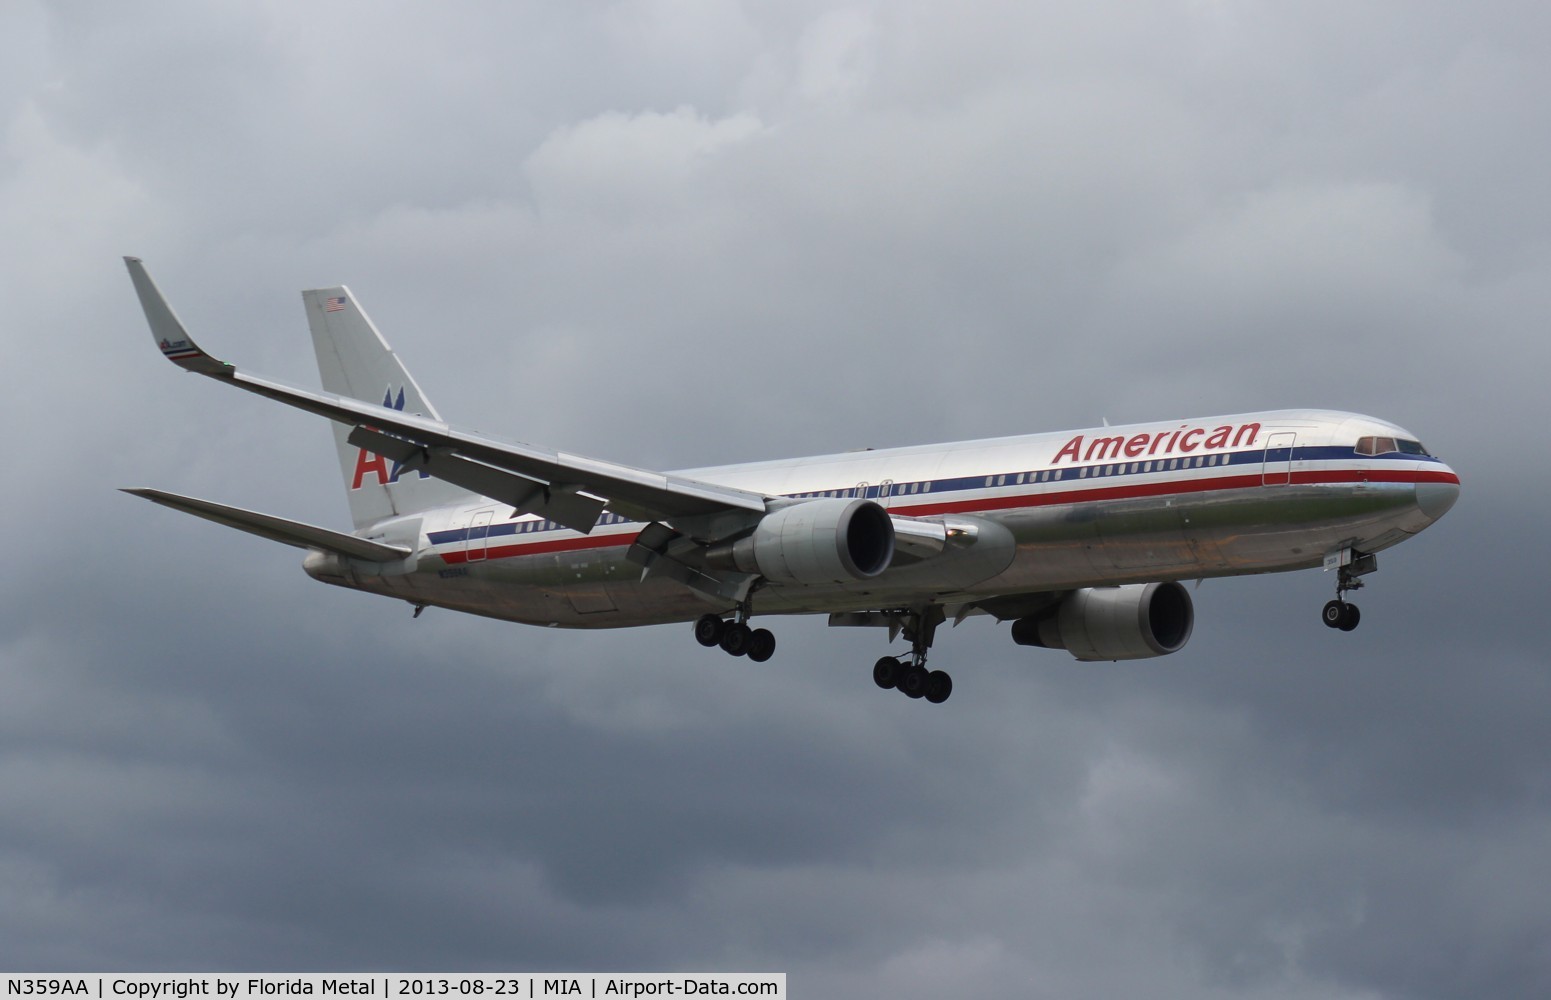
(355, 361)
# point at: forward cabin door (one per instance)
(1277, 470)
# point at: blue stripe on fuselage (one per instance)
(1113, 468)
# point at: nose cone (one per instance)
(1435, 499)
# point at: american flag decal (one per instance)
(335, 304)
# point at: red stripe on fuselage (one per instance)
(539, 548)
(1043, 499)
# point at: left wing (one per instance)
(569, 489)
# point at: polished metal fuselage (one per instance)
(1036, 514)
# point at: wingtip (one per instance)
(166, 329)
(144, 493)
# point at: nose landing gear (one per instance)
(1339, 614)
(1350, 565)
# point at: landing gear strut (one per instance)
(910, 676)
(735, 637)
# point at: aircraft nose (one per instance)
(1435, 499)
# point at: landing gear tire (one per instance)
(761, 645)
(913, 682)
(737, 638)
(1341, 615)
(709, 629)
(885, 673)
(939, 685)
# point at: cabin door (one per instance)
(1277, 470)
(479, 535)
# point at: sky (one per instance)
(679, 234)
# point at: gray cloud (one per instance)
(684, 234)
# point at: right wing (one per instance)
(569, 489)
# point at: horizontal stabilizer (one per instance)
(277, 529)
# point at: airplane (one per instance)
(1080, 539)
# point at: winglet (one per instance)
(172, 339)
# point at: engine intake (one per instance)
(828, 540)
(1114, 623)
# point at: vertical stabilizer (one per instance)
(355, 361)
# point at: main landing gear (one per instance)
(735, 637)
(1339, 613)
(910, 676)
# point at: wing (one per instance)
(569, 489)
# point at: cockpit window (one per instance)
(1373, 445)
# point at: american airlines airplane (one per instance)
(1078, 538)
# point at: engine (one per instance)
(1113, 623)
(828, 540)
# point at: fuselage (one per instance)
(1184, 499)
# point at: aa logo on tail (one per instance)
(367, 462)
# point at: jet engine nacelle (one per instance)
(1113, 623)
(827, 540)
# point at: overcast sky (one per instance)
(685, 233)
